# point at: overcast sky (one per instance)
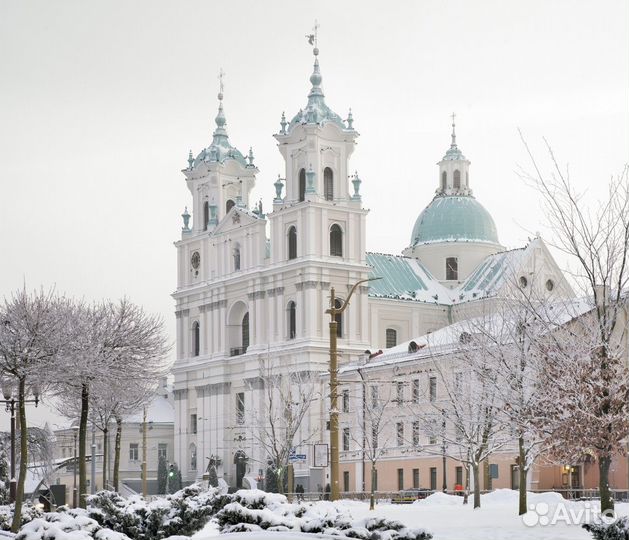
(101, 101)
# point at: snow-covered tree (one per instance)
(596, 239)
(374, 431)
(33, 330)
(162, 475)
(277, 427)
(465, 423)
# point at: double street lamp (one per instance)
(10, 402)
(334, 311)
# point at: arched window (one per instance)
(457, 179)
(302, 185)
(237, 257)
(292, 243)
(292, 320)
(444, 180)
(338, 318)
(229, 205)
(452, 268)
(336, 241)
(328, 184)
(195, 338)
(245, 331)
(206, 214)
(391, 337)
(193, 457)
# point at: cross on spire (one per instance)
(453, 130)
(221, 75)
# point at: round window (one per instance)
(195, 260)
(550, 285)
(523, 282)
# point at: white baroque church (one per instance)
(254, 285)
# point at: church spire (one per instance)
(453, 144)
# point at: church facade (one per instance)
(253, 287)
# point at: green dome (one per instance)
(454, 219)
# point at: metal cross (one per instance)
(221, 74)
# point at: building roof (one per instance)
(459, 218)
(404, 278)
(160, 411)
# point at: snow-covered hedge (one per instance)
(618, 530)
(254, 510)
(182, 513)
(29, 513)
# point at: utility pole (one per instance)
(144, 479)
(333, 311)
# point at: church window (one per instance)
(444, 180)
(336, 241)
(457, 179)
(452, 268)
(195, 338)
(206, 214)
(240, 408)
(229, 205)
(245, 332)
(292, 243)
(302, 185)
(193, 457)
(237, 257)
(391, 337)
(328, 184)
(338, 318)
(292, 320)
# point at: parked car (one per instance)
(411, 495)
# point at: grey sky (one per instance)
(101, 101)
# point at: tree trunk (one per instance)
(523, 472)
(607, 501)
(105, 450)
(85, 395)
(475, 473)
(19, 493)
(372, 495)
(117, 452)
(466, 492)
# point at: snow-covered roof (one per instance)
(160, 411)
(404, 278)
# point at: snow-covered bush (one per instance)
(29, 512)
(254, 510)
(69, 524)
(618, 530)
(182, 513)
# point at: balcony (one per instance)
(237, 351)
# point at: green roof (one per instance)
(454, 219)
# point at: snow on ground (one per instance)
(447, 518)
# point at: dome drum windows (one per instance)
(336, 241)
(452, 268)
(444, 180)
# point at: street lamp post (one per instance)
(333, 311)
(10, 402)
(75, 429)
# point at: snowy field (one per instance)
(447, 518)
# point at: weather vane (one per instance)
(312, 38)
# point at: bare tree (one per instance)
(374, 431)
(466, 411)
(278, 423)
(597, 238)
(32, 332)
